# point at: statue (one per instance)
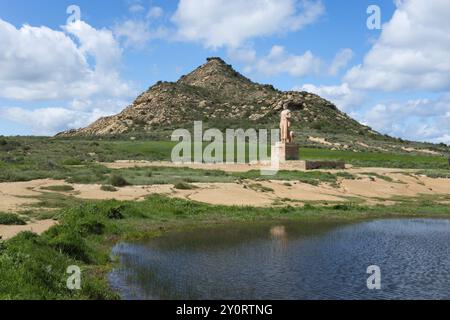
(286, 135)
(286, 149)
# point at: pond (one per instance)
(290, 260)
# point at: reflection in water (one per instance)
(298, 260)
(278, 233)
(279, 237)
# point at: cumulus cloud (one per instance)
(45, 121)
(78, 64)
(342, 95)
(419, 120)
(278, 61)
(51, 120)
(139, 30)
(422, 119)
(232, 22)
(134, 33)
(412, 52)
(38, 63)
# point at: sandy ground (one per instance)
(7, 232)
(12, 193)
(15, 196)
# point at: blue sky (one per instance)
(56, 75)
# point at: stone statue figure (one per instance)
(286, 136)
(286, 149)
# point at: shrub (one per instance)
(184, 186)
(344, 207)
(108, 188)
(11, 219)
(260, 188)
(91, 226)
(118, 181)
(309, 206)
(115, 213)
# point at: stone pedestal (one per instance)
(285, 151)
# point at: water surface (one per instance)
(292, 260)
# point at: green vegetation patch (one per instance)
(310, 177)
(259, 187)
(118, 181)
(108, 188)
(445, 174)
(376, 159)
(61, 188)
(184, 186)
(9, 219)
(79, 160)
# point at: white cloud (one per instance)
(77, 64)
(155, 12)
(99, 44)
(134, 33)
(49, 121)
(340, 61)
(412, 53)
(137, 32)
(136, 8)
(38, 63)
(342, 95)
(232, 22)
(245, 54)
(278, 61)
(45, 121)
(421, 120)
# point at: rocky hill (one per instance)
(223, 98)
(215, 92)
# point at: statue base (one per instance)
(286, 151)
